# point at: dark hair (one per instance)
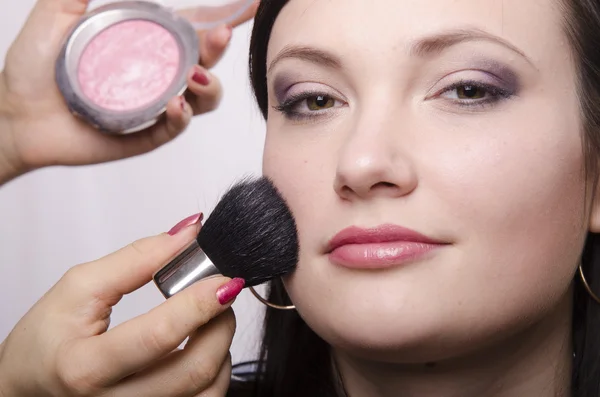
(296, 362)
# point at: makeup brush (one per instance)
(250, 234)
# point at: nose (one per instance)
(373, 162)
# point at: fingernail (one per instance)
(189, 221)
(227, 292)
(182, 103)
(200, 77)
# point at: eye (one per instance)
(470, 92)
(308, 104)
(473, 93)
(320, 102)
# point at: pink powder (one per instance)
(128, 65)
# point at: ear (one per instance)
(594, 222)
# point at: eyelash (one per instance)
(288, 106)
(495, 95)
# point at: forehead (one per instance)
(377, 27)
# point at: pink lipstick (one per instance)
(380, 247)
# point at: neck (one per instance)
(536, 362)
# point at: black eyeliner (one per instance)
(287, 106)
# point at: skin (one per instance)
(37, 128)
(62, 346)
(501, 182)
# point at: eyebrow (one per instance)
(426, 46)
(310, 54)
(437, 43)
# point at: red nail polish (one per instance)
(182, 103)
(227, 292)
(200, 78)
(189, 221)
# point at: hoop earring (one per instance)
(587, 286)
(267, 303)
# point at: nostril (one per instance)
(384, 185)
(346, 190)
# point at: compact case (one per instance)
(124, 60)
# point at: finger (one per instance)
(131, 346)
(124, 271)
(213, 44)
(204, 90)
(115, 147)
(177, 118)
(221, 385)
(202, 365)
(206, 16)
(245, 16)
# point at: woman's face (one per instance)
(456, 119)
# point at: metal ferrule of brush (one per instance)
(190, 266)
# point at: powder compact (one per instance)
(124, 60)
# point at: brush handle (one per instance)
(190, 266)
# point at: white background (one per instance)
(55, 218)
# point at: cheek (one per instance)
(291, 167)
(303, 169)
(515, 192)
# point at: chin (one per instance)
(368, 320)
(404, 316)
(416, 341)
(374, 335)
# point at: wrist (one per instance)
(4, 384)
(3, 389)
(10, 165)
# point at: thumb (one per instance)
(73, 7)
(51, 19)
(33, 53)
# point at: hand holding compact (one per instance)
(38, 128)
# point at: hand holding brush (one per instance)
(63, 346)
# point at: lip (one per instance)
(380, 247)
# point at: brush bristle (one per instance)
(251, 233)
